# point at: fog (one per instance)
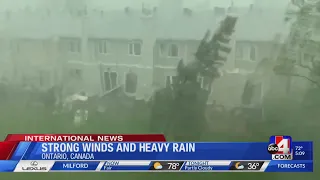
(119, 4)
(193, 70)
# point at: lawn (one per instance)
(17, 120)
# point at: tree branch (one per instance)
(306, 67)
(305, 77)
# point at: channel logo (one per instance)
(280, 147)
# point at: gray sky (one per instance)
(119, 4)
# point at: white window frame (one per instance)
(104, 82)
(245, 51)
(131, 47)
(125, 84)
(103, 47)
(169, 49)
(170, 79)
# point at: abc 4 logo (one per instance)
(273, 148)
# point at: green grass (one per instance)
(16, 120)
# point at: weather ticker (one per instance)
(149, 153)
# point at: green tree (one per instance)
(181, 108)
(300, 50)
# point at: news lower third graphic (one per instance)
(21, 153)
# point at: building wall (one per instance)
(248, 54)
(6, 66)
(151, 67)
(117, 59)
(242, 64)
(33, 62)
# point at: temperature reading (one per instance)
(173, 166)
(253, 166)
(299, 148)
(299, 151)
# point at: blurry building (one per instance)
(99, 50)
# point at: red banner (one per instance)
(7, 149)
(86, 137)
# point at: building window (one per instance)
(253, 54)
(171, 80)
(239, 53)
(307, 58)
(131, 82)
(173, 50)
(252, 93)
(103, 47)
(110, 80)
(135, 48)
(75, 73)
(162, 49)
(74, 46)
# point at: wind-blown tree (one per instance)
(287, 59)
(300, 44)
(179, 110)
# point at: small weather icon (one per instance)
(239, 166)
(157, 165)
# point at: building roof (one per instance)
(259, 25)
(251, 26)
(135, 25)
